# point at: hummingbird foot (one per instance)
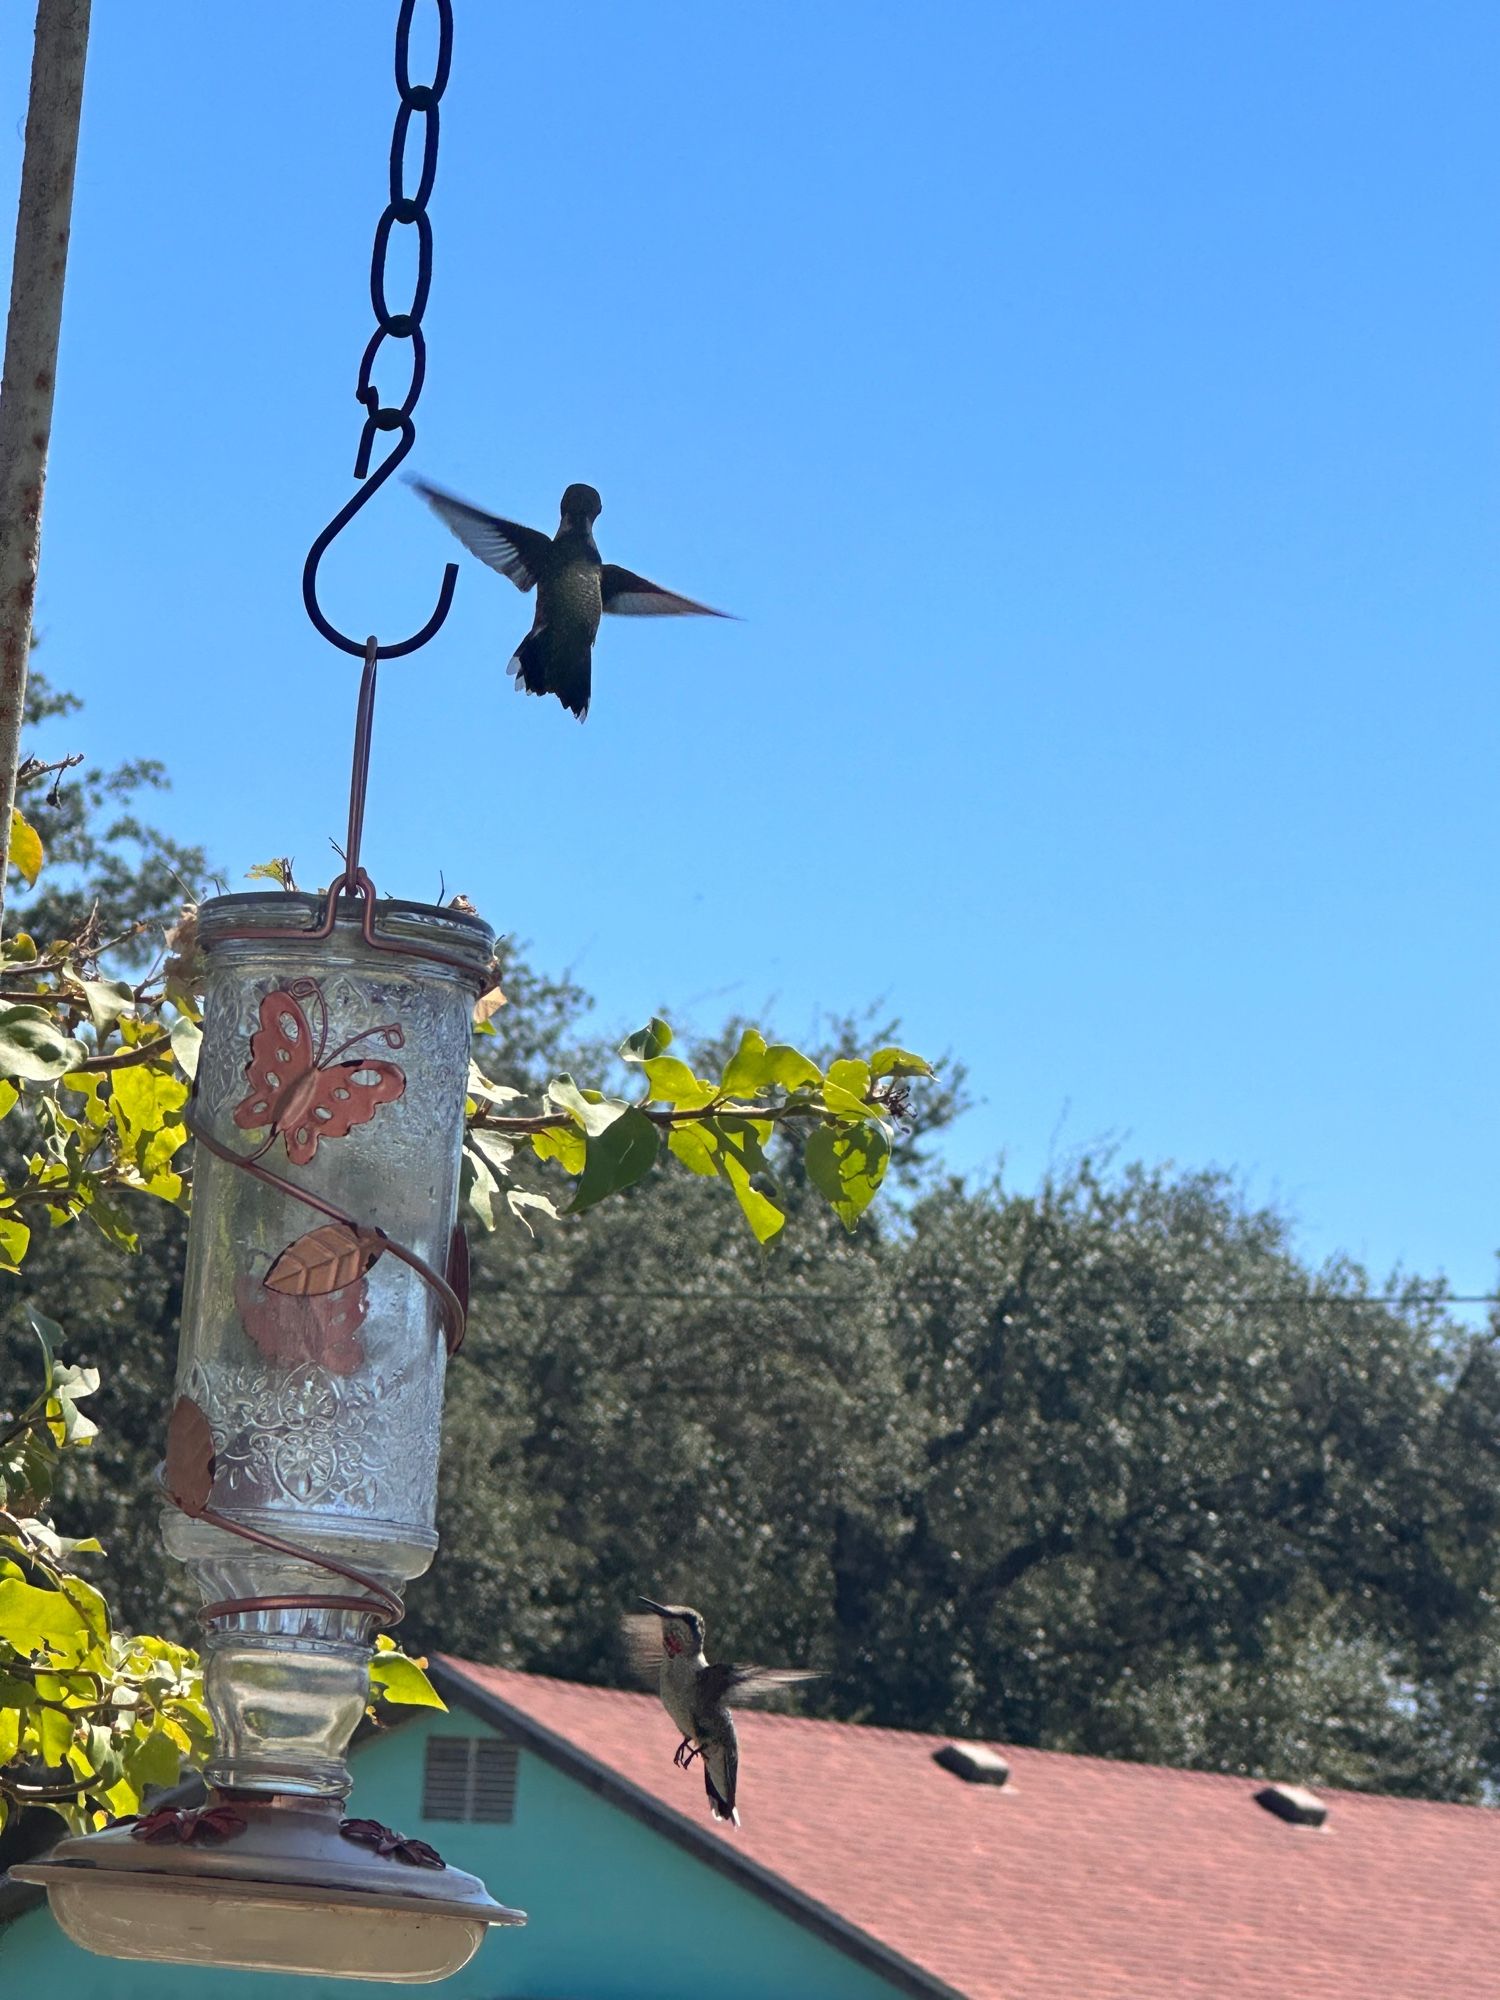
(686, 1751)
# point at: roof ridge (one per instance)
(1024, 1752)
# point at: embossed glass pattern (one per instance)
(316, 1355)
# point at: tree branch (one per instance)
(32, 768)
(562, 1121)
(124, 1058)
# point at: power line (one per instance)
(588, 1295)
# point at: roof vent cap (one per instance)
(974, 1762)
(1293, 1803)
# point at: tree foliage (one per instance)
(1105, 1468)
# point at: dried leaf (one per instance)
(190, 1456)
(519, 1200)
(488, 1004)
(324, 1260)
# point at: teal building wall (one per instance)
(617, 1910)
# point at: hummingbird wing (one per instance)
(632, 596)
(718, 1683)
(517, 552)
(640, 1634)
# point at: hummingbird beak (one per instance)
(651, 1605)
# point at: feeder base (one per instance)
(286, 1892)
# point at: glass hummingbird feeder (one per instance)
(325, 1289)
(323, 1294)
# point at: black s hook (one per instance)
(341, 521)
(418, 100)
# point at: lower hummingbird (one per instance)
(666, 1652)
(573, 588)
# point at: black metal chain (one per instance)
(418, 100)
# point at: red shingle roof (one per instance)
(1081, 1879)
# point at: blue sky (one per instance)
(1090, 409)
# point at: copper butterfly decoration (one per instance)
(320, 1330)
(299, 1087)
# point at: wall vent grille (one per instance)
(470, 1778)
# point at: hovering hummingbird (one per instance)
(573, 588)
(666, 1652)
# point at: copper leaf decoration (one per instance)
(324, 1260)
(292, 1331)
(190, 1456)
(457, 1272)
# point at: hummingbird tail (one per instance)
(720, 1774)
(528, 664)
(540, 667)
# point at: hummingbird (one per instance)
(666, 1652)
(573, 588)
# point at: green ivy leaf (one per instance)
(401, 1680)
(90, 1606)
(54, 1731)
(852, 1075)
(672, 1082)
(187, 1042)
(107, 1000)
(846, 1165)
(278, 871)
(60, 1549)
(647, 1043)
(153, 1760)
(696, 1146)
(49, 1334)
(105, 1764)
(621, 1154)
(65, 1421)
(164, 1183)
(762, 1214)
(144, 1100)
(563, 1143)
(14, 1237)
(90, 1086)
(844, 1104)
(112, 1224)
(42, 1621)
(478, 1186)
(26, 851)
(899, 1062)
(162, 1146)
(35, 1470)
(731, 1148)
(33, 1046)
(493, 1147)
(590, 1109)
(754, 1067)
(487, 1092)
